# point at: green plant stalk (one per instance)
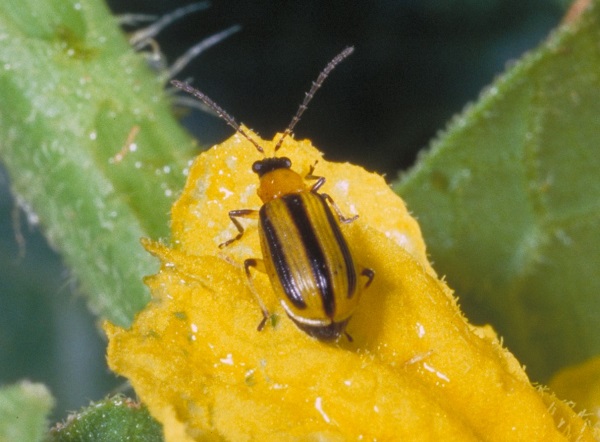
(74, 97)
(508, 199)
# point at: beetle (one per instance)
(304, 252)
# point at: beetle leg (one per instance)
(259, 265)
(310, 176)
(233, 215)
(317, 186)
(369, 273)
(342, 218)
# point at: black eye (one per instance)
(262, 167)
(257, 167)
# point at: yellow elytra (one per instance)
(305, 254)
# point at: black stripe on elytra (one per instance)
(343, 245)
(282, 268)
(313, 249)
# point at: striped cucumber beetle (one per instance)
(304, 253)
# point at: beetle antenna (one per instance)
(217, 109)
(315, 87)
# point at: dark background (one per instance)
(416, 64)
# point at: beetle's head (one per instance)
(266, 165)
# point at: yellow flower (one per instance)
(416, 370)
(581, 384)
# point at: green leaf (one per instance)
(74, 95)
(509, 201)
(114, 419)
(23, 411)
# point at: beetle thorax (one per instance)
(279, 182)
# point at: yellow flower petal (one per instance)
(581, 384)
(416, 369)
